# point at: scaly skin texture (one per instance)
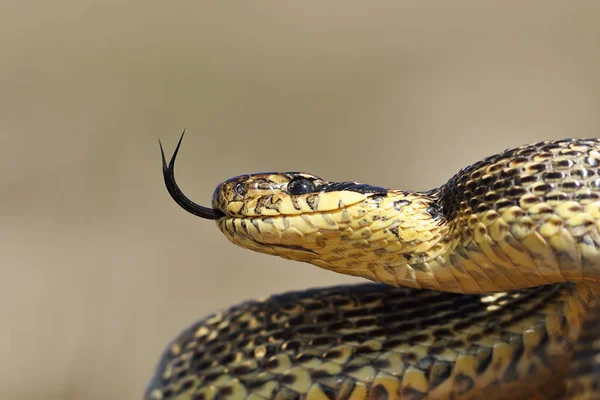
(378, 342)
(584, 382)
(525, 221)
(526, 217)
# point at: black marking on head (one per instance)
(296, 204)
(312, 201)
(351, 186)
(301, 186)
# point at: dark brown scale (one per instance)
(571, 186)
(582, 173)
(379, 393)
(528, 179)
(556, 197)
(439, 373)
(553, 176)
(541, 189)
(484, 359)
(518, 161)
(537, 168)
(562, 164)
(502, 204)
(516, 191)
(225, 391)
(571, 153)
(408, 393)
(586, 196)
(593, 184)
(287, 379)
(490, 197)
(550, 146)
(543, 155)
(511, 173)
(463, 383)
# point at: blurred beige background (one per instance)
(100, 268)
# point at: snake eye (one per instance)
(241, 189)
(301, 186)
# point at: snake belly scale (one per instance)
(508, 251)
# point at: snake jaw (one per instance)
(177, 194)
(383, 238)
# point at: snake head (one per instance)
(279, 194)
(269, 194)
(347, 227)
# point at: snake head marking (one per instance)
(271, 194)
(268, 194)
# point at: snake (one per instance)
(483, 288)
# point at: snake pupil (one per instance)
(241, 189)
(301, 186)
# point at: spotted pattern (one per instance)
(376, 342)
(516, 236)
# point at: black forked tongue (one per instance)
(177, 194)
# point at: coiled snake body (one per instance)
(510, 247)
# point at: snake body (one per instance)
(510, 247)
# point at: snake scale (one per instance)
(508, 248)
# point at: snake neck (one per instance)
(405, 238)
(396, 238)
(427, 240)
